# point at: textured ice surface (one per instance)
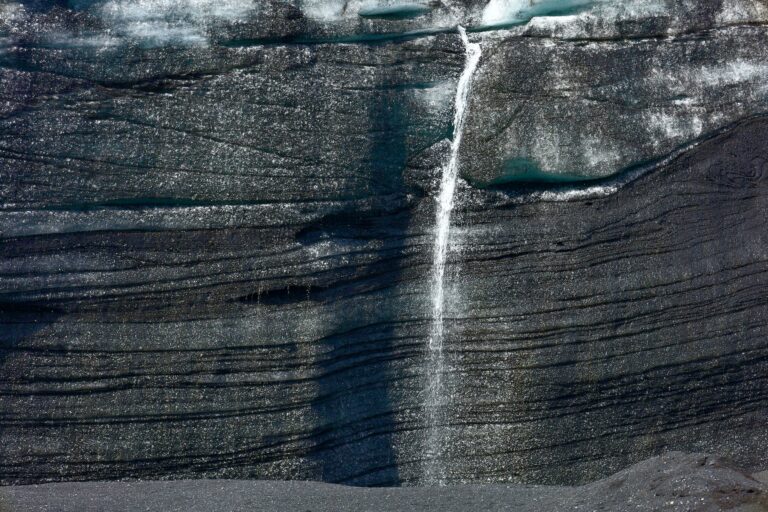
(663, 80)
(215, 245)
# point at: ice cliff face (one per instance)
(217, 230)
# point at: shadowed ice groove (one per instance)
(395, 12)
(355, 405)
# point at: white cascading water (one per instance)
(434, 472)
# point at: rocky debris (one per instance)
(674, 482)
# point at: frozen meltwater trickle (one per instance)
(434, 473)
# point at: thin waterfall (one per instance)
(434, 472)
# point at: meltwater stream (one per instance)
(434, 471)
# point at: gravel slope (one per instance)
(673, 482)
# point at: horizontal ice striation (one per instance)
(288, 343)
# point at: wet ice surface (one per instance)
(499, 12)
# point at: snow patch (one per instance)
(560, 26)
(159, 33)
(502, 11)
(740, 11)
(191, 10)
(732, 73)
(161, 22)
(576, 194)
(10, 11)
(436, 97)
(675, 126)
(65, 40)
(324, 10)
(598, 154)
